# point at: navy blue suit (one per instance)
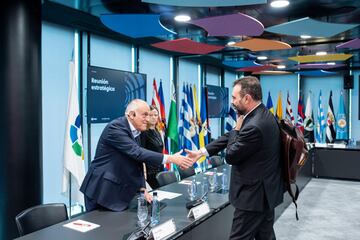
(116, 173)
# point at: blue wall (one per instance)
(156, 65)
(57, 48)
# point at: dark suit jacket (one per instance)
(254, 153)
(116, 173)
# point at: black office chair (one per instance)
(165, 178)
(40, 216)
(184, 173)
(216, 161)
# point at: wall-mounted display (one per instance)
(218, 101)
(109, 91)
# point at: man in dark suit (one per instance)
(116, 173)
(253, 150)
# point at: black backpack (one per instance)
(293, 156)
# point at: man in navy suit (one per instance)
(253, 150)
(116, 173)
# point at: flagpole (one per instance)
(69, 194)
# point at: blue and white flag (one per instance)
(231, 119)
(321, 124)
(341, 123)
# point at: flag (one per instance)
(198, 125)
(279, 110)
(73, 145)
(172, 130)
(330, 122)
(289, 113)
(207, 116)
(269, 104)
(309, 122)
(203, 117)
(186, 142)
(341, 124)
(155, 98)
(320, 125)
(301, 115)
(162, 123)
(192, 130)
(196, 115)
(231, 119)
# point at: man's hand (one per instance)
(194, 155)
(182, 161)
(239, 122)
(148, 196)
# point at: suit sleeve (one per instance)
(218, 145)
(118, 137)
(242, 144)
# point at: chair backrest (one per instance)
(40, 216)
(165, 178)
(216, 161)
(184, 173)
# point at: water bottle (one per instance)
(142, 211)
(192, 190)
(215, 179)
(205, 188)
(224, 182)
(155, 213)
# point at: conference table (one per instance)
(216, 224)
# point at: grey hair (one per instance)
(133, 105)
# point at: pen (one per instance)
(82, 224)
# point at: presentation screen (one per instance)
(109, 91)
(218, 101)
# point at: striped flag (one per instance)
(330, 122)
(269, 104)
(309, 122)
(341, 124)
(155, 101)
(320, 125)
(74, 167)
(279, 110)
(185, 127)
(231, 119)
(301, 115)
(204, 128)
(289, 113)
(162, 123)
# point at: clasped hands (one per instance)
(187, 161)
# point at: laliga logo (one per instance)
(75, 136)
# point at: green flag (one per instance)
(172, 129)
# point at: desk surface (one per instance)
(118, 225)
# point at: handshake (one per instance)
(187, 161)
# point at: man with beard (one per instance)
(253, 150)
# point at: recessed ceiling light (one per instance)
(230, 43)
(182, 18)
(331, 63)
(281, 66)
(279, 3)
(305, 36)
(322, 53)
(262, 57)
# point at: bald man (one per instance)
(116, 173)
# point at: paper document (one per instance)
(186, 182)
(81, 225)
(166, 195)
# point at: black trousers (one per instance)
(249, 225)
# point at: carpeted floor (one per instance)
(328, 210)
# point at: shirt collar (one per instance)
(252, 110)
(134, 132)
